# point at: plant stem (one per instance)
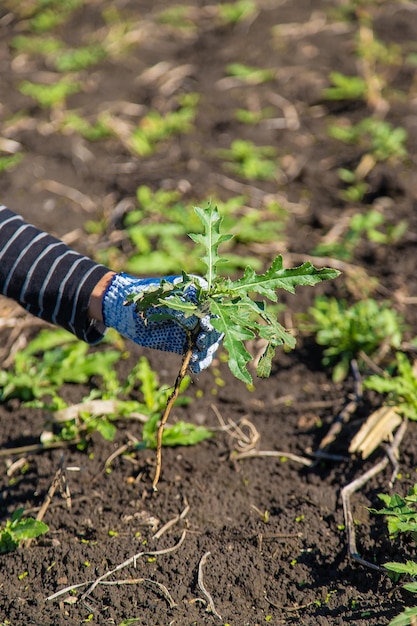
(169, 405)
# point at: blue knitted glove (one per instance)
(165, 334)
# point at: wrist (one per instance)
(95, 306)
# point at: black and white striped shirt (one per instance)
(45, 276)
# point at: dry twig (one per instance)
(346, 413)
(358, 483)
(57, 481)
(211, 606)
(101, 580)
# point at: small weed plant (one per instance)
(158, 228)
(250, 161)
(155, 128)
(399, 385)
(236, 12)
(19, 529)
(55, 358)
(50, 96)
(401, 517)
(240, 309)
(377, 137)
(371, 226)
(347, 331)
(249, 75)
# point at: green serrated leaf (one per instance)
(29, 528)
(227, 321)
(406, 618)
(276, 277)
(151, 296)
(264, 366)
(211, 240)
(410, 567)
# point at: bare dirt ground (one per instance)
(272, 527)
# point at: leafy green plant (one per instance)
(246, 116)
(399, 385)
(345, 87)
(158, 231)
(49, 361)
(248, 74)
(155, 127)
(8, 162)
(347, 331)
(251, 161)
(356, 187)
(401, 517)
(234, 312)
(236, 12)
(371, 226)
(72, 122)
(19, 529)
(179, 17)
(55, 358)
(377, 137)
(33, 44)
(49, 96)
(51, 13)
(79, 58)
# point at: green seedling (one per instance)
(377, 137)
(236, 12)
(155, 128)
(72, 122)
(154, 401)
(366, 327)
(19, 529)
(49, 361)
(248, 74)
(42, 45)
(55, 358)
(230, 303)
(250, 161)
(252, 118)
(345, 87)
(50, 96)
(178, 17)
(159, 228)
(47, 15)
(79, 58)
(401, 517)
(10, 161)
(399, 384)
(356, 187)
(371, 226)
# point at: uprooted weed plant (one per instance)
(233, 311)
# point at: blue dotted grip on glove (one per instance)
(167, 335)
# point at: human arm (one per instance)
(47, 278)
(61, 286)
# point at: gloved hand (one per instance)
(166, 334)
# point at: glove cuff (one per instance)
(115, 313)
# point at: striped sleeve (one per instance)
(45, 276)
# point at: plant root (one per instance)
(164, 419)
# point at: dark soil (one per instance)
(274, 529)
